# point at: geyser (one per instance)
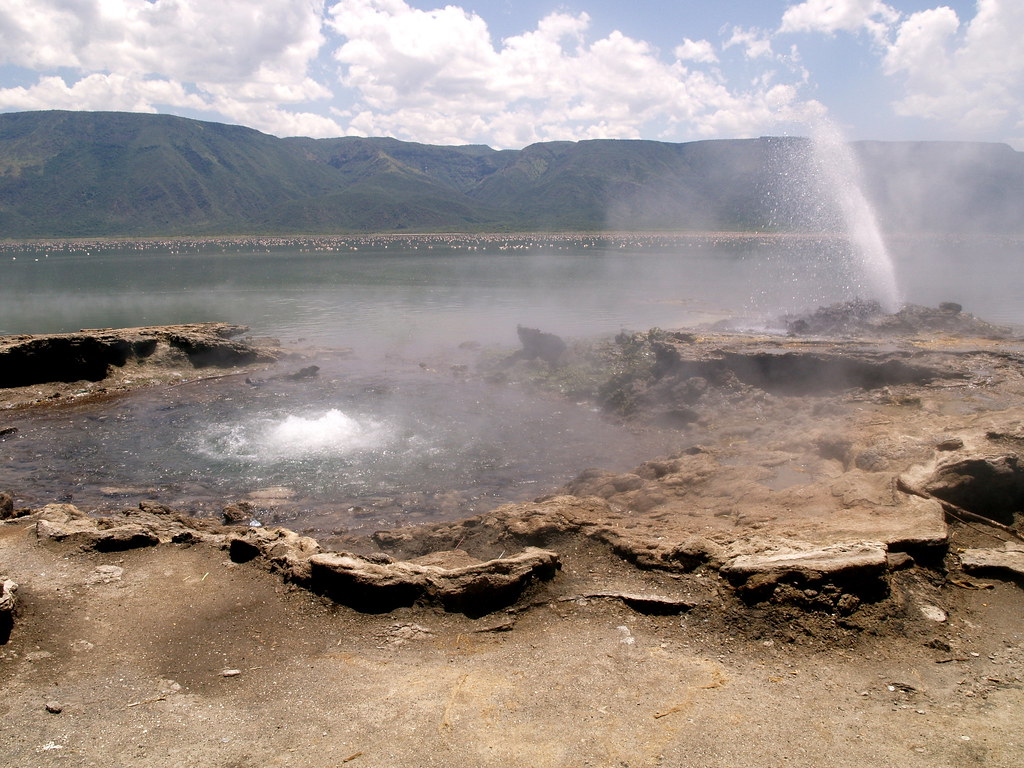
(836, 166)
(836, 252)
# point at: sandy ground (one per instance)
(133, 649)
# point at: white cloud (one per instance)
(755, 42)
(99, 92)
(222, 56)
(831, 16)
(700, 51)
(188, 40)
(438, 76)
(970, 77)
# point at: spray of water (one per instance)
(834, 163)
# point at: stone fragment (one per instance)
(54, 707)
(105, 574)
(1006, 562)
(239, 513)
(8, 608)
(932, 612)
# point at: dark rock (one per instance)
(309, 372)
(867, 317)
(838, 319)
(651, 605)
(538, 344)
(156, 508)
(898, 561)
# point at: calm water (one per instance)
(376, 296)
(388, 434)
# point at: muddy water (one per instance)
(344, 451)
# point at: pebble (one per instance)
(231, 673)
(54, 707)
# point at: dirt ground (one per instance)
(135, 650)
(175, 654)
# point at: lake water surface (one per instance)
(388, 293)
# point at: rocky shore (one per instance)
(829, 574)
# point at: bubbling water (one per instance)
(331, 434)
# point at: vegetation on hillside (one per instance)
(68, 174)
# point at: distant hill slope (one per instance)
(121, 174)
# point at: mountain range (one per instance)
(67, 174)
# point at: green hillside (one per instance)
(119, 174)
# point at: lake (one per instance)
(378, 294)
(387, 435)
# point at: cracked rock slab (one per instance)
(840, 558)
(473, 589)
(834, 578)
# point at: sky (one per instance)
(508, 73)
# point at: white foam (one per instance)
(331, 432)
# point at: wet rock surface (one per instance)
(106, 355)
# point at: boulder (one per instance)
(538, 344)
(86, 534)
(990, 486)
